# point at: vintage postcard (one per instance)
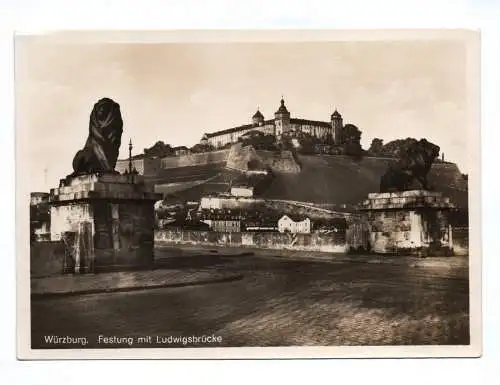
(248, 194)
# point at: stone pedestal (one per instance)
(409, 221)
(105, 220)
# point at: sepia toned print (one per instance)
(248, 194)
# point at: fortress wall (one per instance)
(311, 129)
(267, 129)
(239, 157)
(122, 165)
(194, 159)
(152, 167)
(280, 162)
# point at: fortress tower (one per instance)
(337, 127)
(282, 119)
(258, 118)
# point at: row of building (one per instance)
(285, 224)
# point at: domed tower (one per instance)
(258, 118)
(282, 119)
(337, 127)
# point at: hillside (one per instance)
(178, 192)
(329, 179)
(321, 179)
(340, 180)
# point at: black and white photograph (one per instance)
(248, 194)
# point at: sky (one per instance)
(175, 92)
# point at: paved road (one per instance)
(278, 303)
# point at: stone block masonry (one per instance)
(332, 243)
(239, 158)
(213, 157)
(111, 217)
(405, 199)
(408, 220)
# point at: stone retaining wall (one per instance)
(334, 242)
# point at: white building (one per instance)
(228, 202)
(295, 225)
(208, 203)
(242, 191)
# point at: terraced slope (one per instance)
(187, 174)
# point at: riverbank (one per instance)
(70, 284)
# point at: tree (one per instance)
(329, 139)
(307, 144)
(376, 147)
(226, 146)
(397, 147)
(352, 145)
(181, 214)
(259, 140)
(202, 147)
(286, 143)
(159, 149)
(254, 164)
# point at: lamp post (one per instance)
(130, 156)
(130, 169)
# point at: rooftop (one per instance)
(282, 109)
(296, 217)
(336, 114)
(258, 114)
(310, 122)
(230, 130)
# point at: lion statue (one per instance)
(414, 164)
(100, 153)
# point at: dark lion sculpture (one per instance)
(100, 153)
(414, 163)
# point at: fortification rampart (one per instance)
(283, 161)
(240, 157)
(194, 159)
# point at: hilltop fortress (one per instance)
(281, 125)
